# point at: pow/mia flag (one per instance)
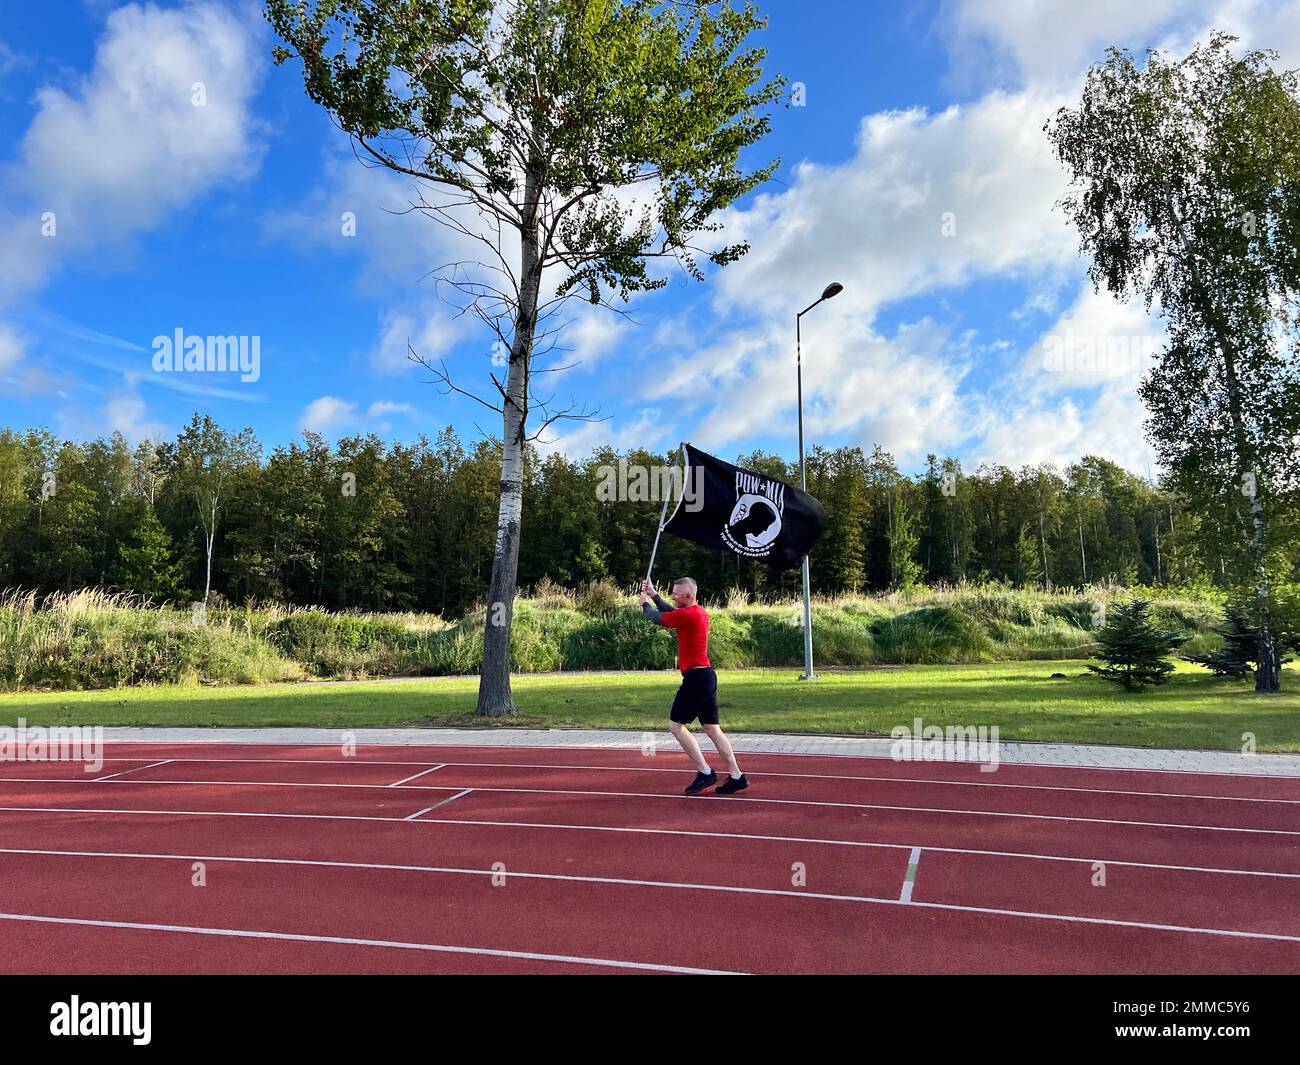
(748, 513)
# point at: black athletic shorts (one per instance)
(697, 697)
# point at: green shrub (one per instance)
(932, 634)
(598, 597)
(91, 639)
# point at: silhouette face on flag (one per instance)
(746, 512)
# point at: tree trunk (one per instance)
(1042, 538)
(207, 584)
(1268, 676)
(1155, 531)
(494, 696)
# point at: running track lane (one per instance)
(630, 923)
(1076, 832)
(930, 873)
(421, 757)
(1187, 897)
(1203, 807)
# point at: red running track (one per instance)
(243, 858)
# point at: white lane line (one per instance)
(800, 776)
(452, 799)
(414, 776)
(417, 813)
(243, 933)
(113, 776)
(853, 756)
(674, 885)
(647, 831)
(914, 859)
(688, 798)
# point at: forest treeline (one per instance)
(378, 525)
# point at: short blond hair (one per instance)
(689, 582)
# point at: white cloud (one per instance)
(12, 347)
(649, 429)
(900, 392)
(876, 222)
(589, 336)
(432, 333)
(1050, 41)
(127, 147)
(126, 413)
(384, 406)
(327, 414)
(1259, 24)
(11, 60)
(1074, 392)
(1097, 341)
(19, 373)
(1026, 431)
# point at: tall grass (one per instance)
(93, 639)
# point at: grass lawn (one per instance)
(1194, 710)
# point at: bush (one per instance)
(91, 639)
(931, 634)
(599, 597)
(551, 596)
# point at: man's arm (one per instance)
(655, 613)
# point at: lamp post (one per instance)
(831, 290)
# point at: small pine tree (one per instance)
(1240, 646)
(1240, 651)
(1134, 650)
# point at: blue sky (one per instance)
(916, 173)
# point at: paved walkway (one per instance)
(1009, 753)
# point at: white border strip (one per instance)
(243, 933)
(1012, 753)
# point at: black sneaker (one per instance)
(733, 785)
(701, 781)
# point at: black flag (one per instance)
(749, 513)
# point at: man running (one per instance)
(698, 695)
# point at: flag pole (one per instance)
(681, 451)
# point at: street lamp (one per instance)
(831, 290)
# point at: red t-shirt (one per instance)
(692, 625)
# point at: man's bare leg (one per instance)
(723, 746)
(690, 745)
